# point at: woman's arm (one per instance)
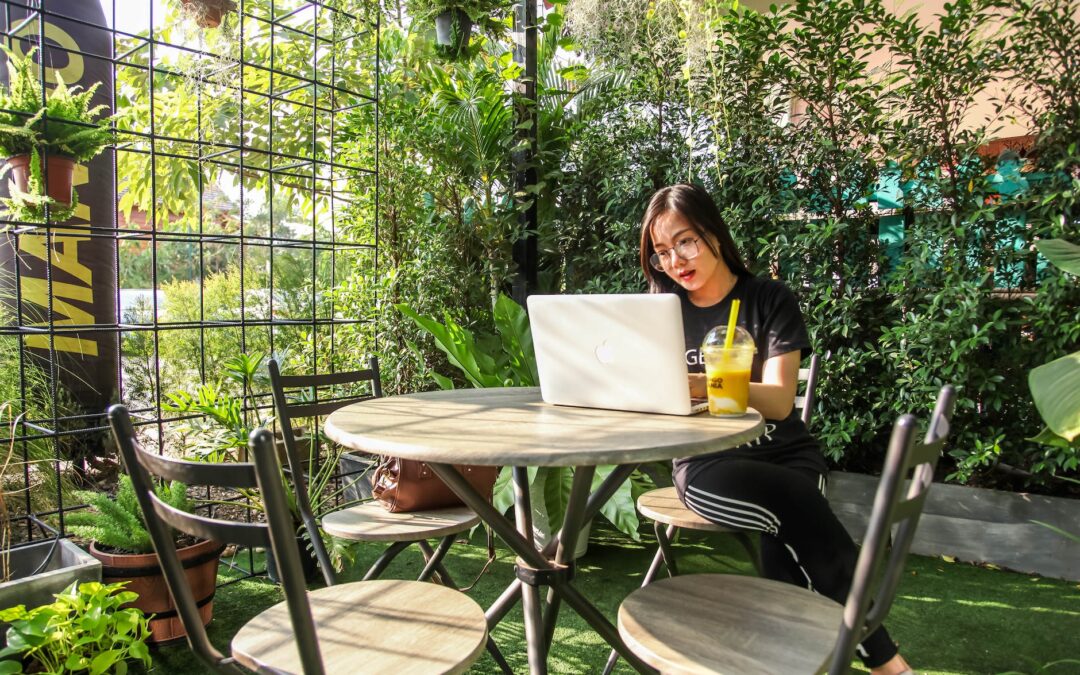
(774, 396)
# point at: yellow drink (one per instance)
(727, 372)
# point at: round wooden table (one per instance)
(514, 427)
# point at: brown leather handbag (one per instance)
(404, 485)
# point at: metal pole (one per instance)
(525, 131)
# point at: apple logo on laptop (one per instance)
(605, 354)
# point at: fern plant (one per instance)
(59, 122)
(116, 521)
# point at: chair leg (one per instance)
(664, 537)
(434, 558)
(612, 659)
(385, 559)
(493, 649)
(754, 554)
(435, 568)
(664, 553)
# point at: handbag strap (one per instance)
(487, 564)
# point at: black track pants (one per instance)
(802, 541)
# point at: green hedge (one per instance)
(910, 250)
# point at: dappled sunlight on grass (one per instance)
(948, 617)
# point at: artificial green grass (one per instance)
(947, 618)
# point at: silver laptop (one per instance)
(622, 352)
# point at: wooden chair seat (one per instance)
(663, 506)
(371, 522)
(381, 626)
(724, 623)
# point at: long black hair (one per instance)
(696, 205)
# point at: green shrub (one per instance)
(116, 521)
(913, 265)
(85, 630)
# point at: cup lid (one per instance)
(717, 337)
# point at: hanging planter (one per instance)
(452, 30)
(58, 174)
(208, 13)
(454, 21)
(42, 136)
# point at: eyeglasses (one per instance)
(687, 249)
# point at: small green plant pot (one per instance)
(59, 171)
(309, 564)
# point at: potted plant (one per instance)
(121, 542)
(323, 469)
(222, 436)
(207, 13)
(454, 20)
(43, 136)
(88, 628)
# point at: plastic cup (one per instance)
(727, 371)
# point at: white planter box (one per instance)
(67, 563)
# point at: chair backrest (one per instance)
(804, 402)
(275, 535)
(873, 590)
(313, 407)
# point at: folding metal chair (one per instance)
(366, 521)
(374, 623)
(721, 623)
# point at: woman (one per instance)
(775, 484)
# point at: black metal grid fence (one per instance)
(232, 210)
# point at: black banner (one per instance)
(77, 44)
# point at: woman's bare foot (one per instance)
(894, 666)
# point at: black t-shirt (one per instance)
(768, 311)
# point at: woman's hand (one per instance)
(698, 387)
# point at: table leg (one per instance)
(530, 595)
(597, 499)
(522, 502)
(601, 625)
(504, 604)
(483, 508)
(534, 559)
(567, 540)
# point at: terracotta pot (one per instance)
(208, 12)
(144, 575)
(58, 171)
